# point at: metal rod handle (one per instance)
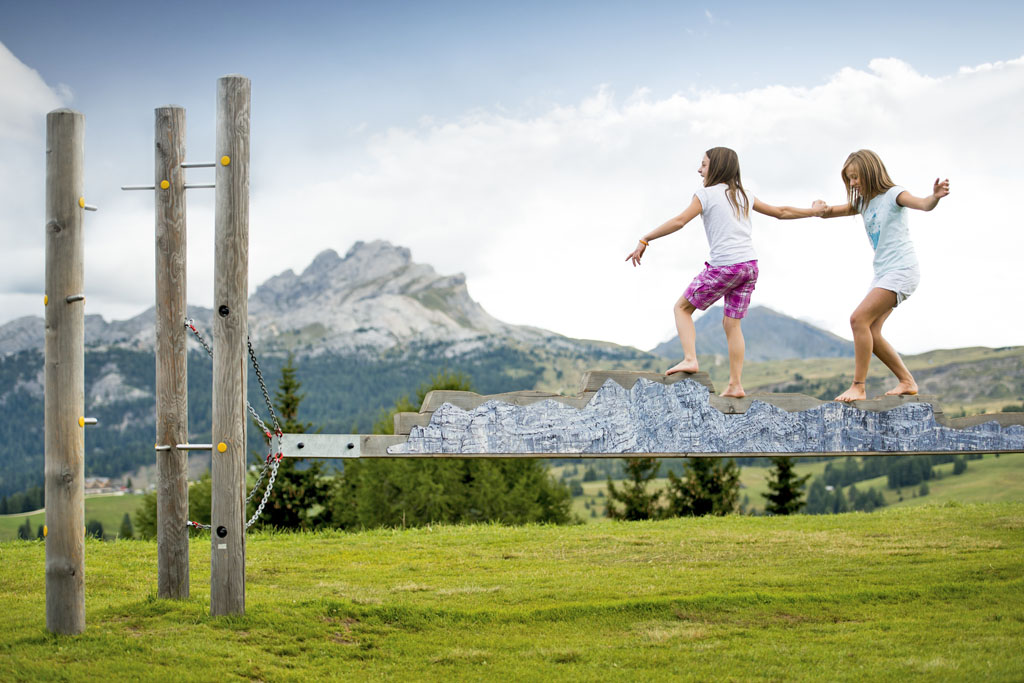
(194, 446)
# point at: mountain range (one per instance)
(363, 329)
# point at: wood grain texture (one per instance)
(231, 284)
(171, 355)
(64, 374)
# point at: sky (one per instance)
(528, 145)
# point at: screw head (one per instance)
(222, 532)
(223, 311)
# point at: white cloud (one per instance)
(540, 211)
(24, 101)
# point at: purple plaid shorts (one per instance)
(735, 282)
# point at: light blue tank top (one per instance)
(885, 222)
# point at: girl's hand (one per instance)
(637, 253)
(940, 190)
(819, 207)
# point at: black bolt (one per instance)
(223, 310)
(222, 532)
(301, 445)
(351, 446)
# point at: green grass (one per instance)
(990, 479)
(109, 510)
(924, 593)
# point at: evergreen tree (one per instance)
(959, 465)
(94, 528)
(127, 530)
(416, 492)
(786, 490)
(710, 486)
(636, 502)
(301, 493)
(40, 536)
(25, 530)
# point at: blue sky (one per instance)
(506, 140)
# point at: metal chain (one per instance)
(266, 494)
(263, 386)
(273, 461)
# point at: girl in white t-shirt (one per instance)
(731, 268)
(882, 204)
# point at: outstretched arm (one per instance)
(939, 190)
(788, 212)
(666, 228)
(834, 211)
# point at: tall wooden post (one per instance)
(171, 355)
(65, 374)
(230, 329)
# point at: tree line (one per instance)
(389, 492)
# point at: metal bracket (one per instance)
(321, 445)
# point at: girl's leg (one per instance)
(878, 303)
(887, 354)
(737, 347)
(683, 312)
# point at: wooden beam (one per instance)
(375, 446)
(230, 329)
(64, 375)
(171, 355)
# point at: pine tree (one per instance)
(127, 531)
(416, 492)
(296, 492)
(94, 528)
(25, 530)
(785, 495)
(711, 486)
(636, 502)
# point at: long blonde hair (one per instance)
(724, 167)
(874, 179)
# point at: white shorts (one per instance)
(901, 282)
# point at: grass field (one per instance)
(107, 509)
(988, 480)
(924, 593)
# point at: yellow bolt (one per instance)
(81, 202)
(46, 299)
(225, 160)
(81, 421)
(221, 447)
(164, 184)
(44, 531)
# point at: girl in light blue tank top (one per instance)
(882, 204)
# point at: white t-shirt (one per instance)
(728, 234)
(885, 222)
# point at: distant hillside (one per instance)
(769, 336)
(365, 328)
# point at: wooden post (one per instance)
(230, 329)
(171, 355)
(65, 374)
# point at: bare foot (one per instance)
(733, 391)
(856, 392)
(689, 366)
(904, 388)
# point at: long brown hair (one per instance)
(874, 179)
(724, 167)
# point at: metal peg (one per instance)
(197, 164)
(194, 446)
(72, 298)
